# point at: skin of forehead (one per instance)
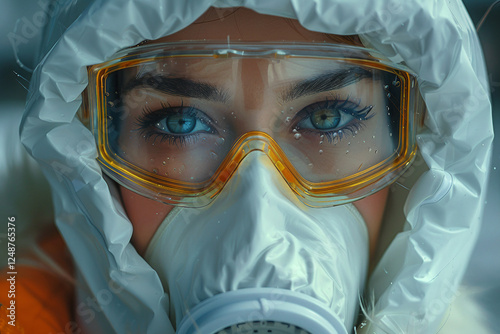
(239, 24)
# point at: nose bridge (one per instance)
(255, 102)
(254, 82)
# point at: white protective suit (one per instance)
(414, 281)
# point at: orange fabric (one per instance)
(43, 298)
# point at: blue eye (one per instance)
(325, 119)
(174, 123)
(332, 117)
(178, 124)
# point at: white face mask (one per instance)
(257, 234)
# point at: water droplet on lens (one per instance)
(322, 136)
(376, 151)
(164, 163)
(310, 165)
(110, 118)
(386, 86)
(294, 130)
(111, 104)
(213, 155)
(219, 141)
(390, 134)
(321, 142)
(297, 136)
(370, 149)
(287, 120)
(155, 171)
(349, 143)
(282, 111)
(182, 168)
(320, 151)
(107, 94)
(373, 137)
(346, 152)
(388, 94)
(396, 83)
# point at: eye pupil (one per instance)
(181, 124)
(324, 119)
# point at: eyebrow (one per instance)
(325, 82)
(178, 87)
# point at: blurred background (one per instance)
(484, 270)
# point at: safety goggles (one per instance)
(173, 121)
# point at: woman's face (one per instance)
(259, 97)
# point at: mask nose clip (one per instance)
(260, 176)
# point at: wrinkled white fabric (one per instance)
(416, 278)
(258, 234)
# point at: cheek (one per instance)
(372, 209)
(146, 216)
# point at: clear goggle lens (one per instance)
(173, 121)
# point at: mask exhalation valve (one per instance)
(259, 311)
(263, 327)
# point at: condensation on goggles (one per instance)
(173, 121)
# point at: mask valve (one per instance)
(261, 310)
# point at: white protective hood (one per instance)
(412, 285)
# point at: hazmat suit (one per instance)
(413, 282)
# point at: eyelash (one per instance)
(146, 124)
(362, 114)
